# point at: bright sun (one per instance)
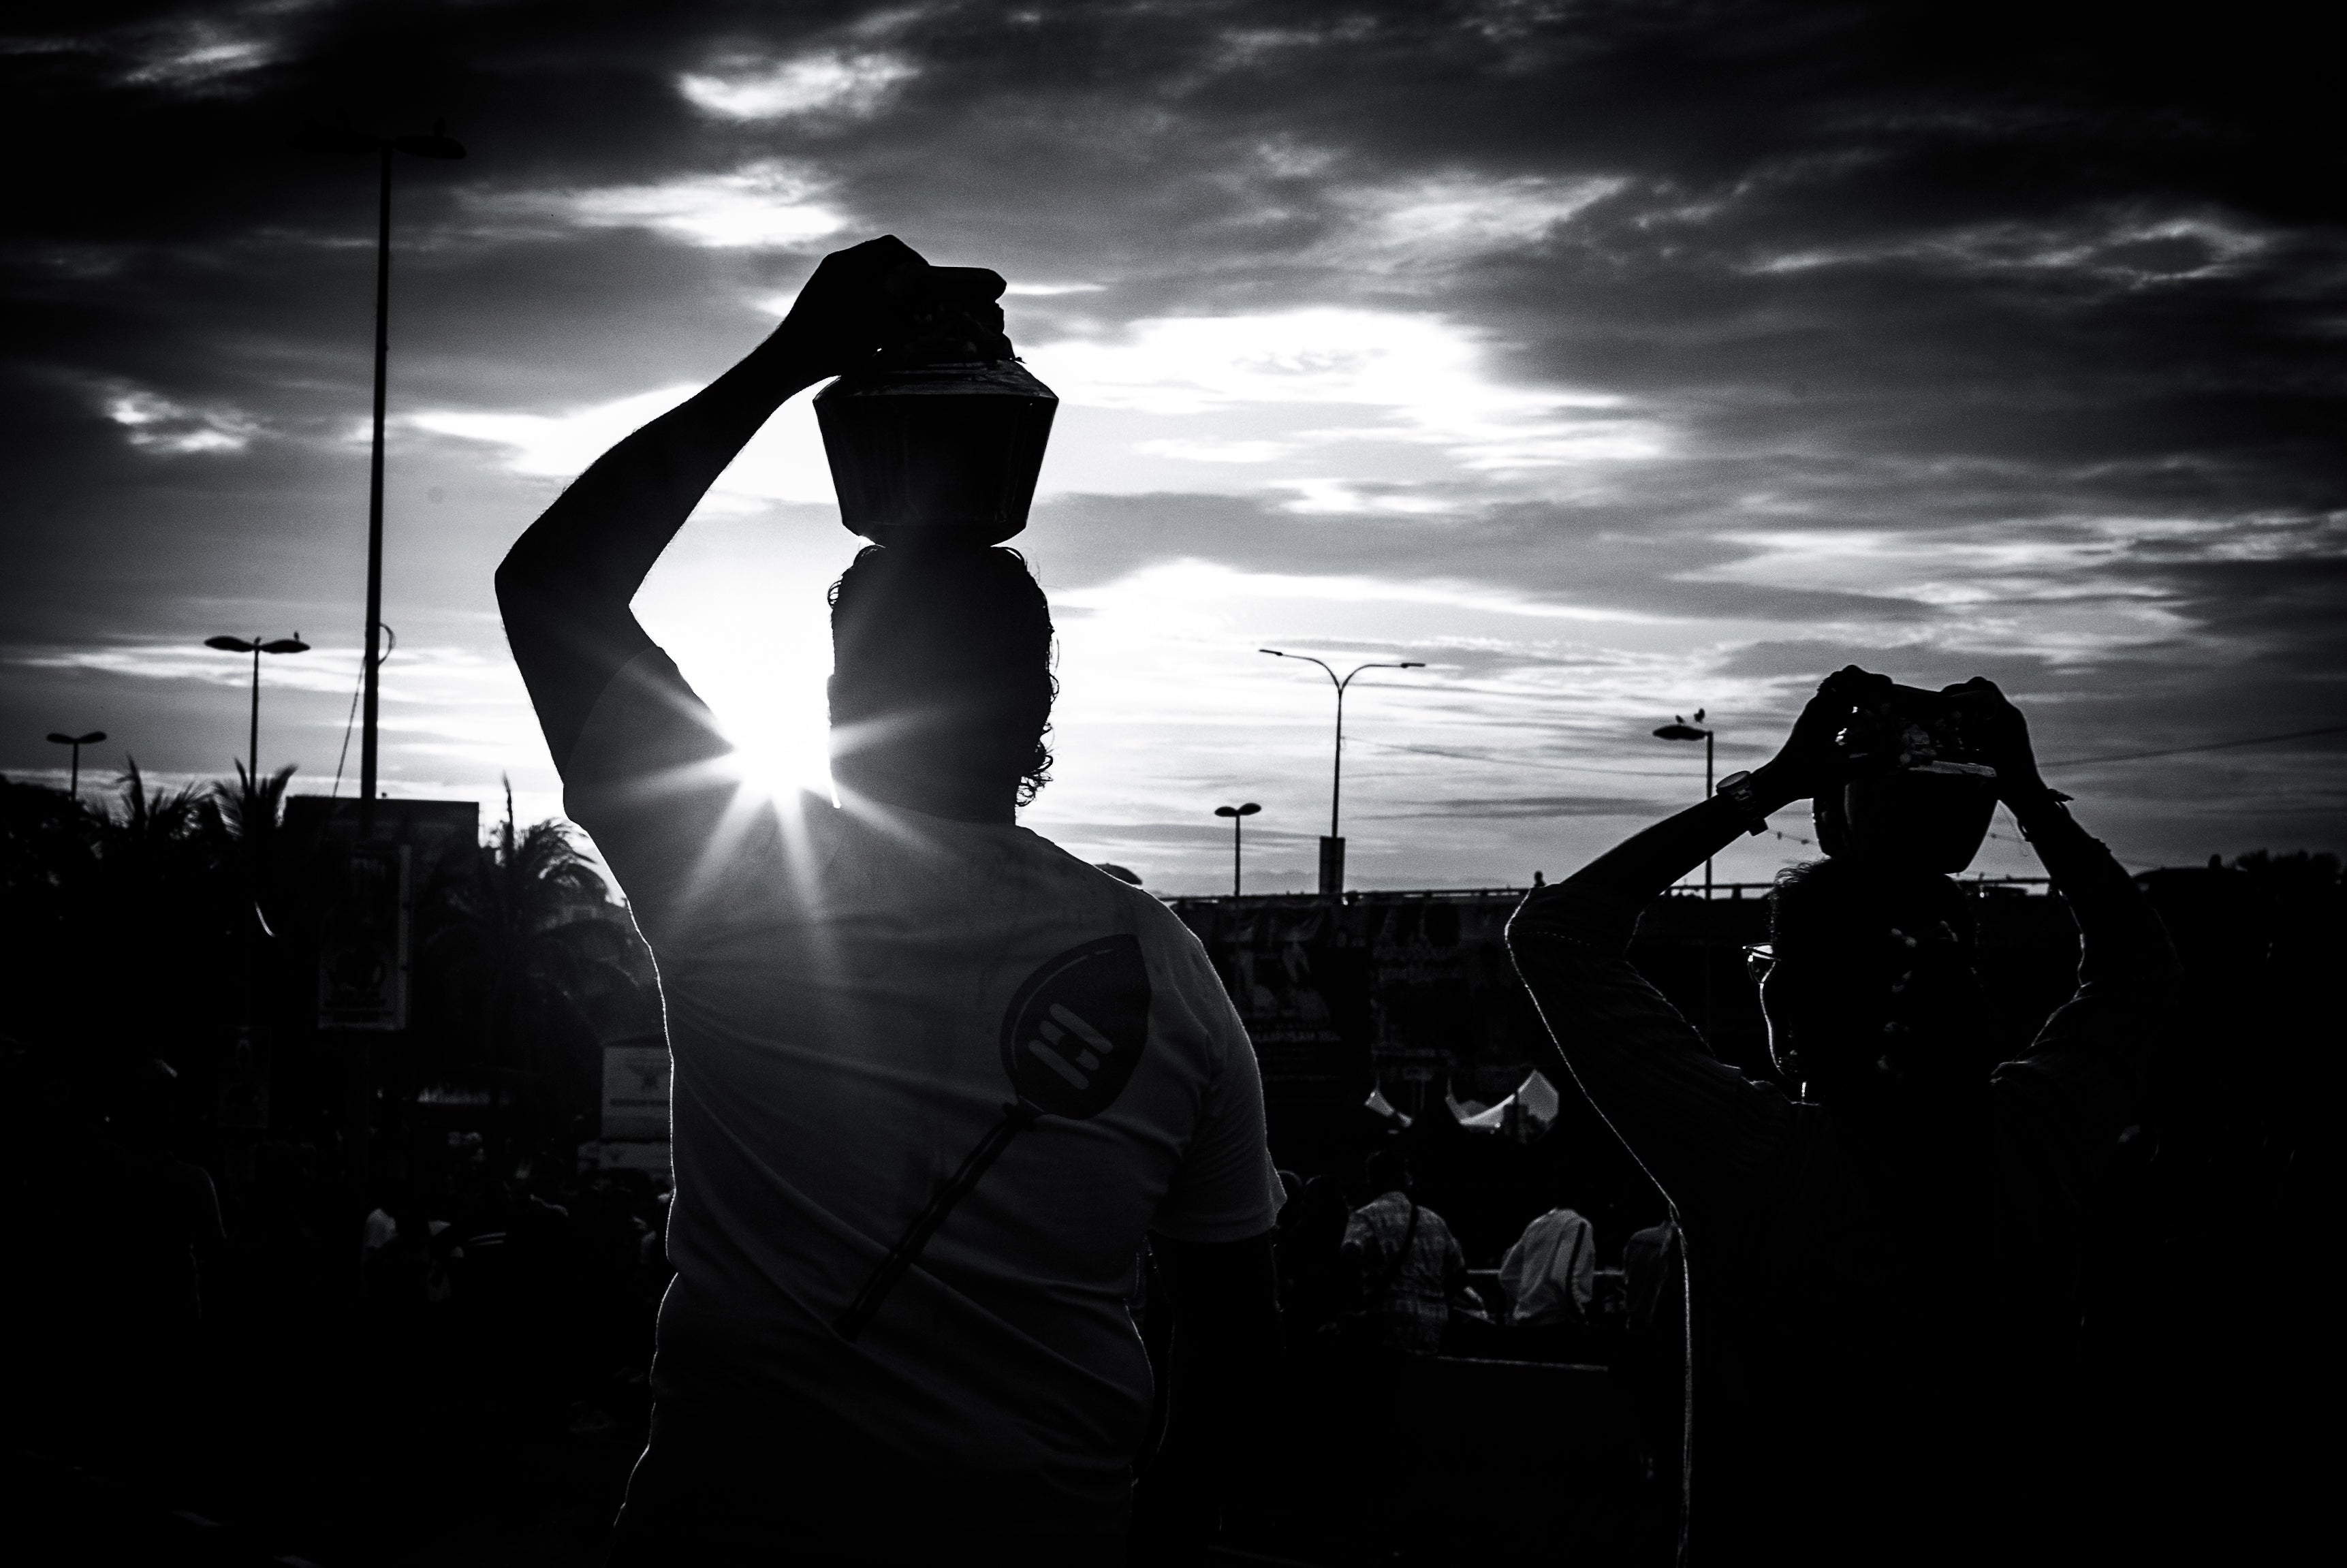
(764, 682)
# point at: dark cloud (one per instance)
(1992, 338)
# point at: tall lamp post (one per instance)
(1332, 848)
(1238, 814)
(1678, 729)
(77, 743)
(255, 647)
(437, 145)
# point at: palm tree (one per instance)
(157, 834)
(49, 872)
(249, 813)
(536, 966)
(117, 914)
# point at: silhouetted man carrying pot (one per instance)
(935, 1080)
(1882, 1271)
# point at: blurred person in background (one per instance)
(1409, 1266)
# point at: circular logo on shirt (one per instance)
(1075, 1030)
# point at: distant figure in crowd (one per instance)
(848, 992)
(1550, 1275)
(1882, 1271)
(1408, 1264)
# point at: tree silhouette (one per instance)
(122, 920)
(534, 967)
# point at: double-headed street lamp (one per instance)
(1678, 729)
(438, 144)
(1238, 814)
(77, 743)
(255, 647)
(1332, 848)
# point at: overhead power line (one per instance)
(1555, 765)
(2204, 746)
(1550, 764)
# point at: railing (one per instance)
(1719, 890)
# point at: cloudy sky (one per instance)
(1613, 359)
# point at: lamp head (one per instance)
(1679, 732)
(293, 644)
(230, 644)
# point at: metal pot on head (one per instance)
(940, 439)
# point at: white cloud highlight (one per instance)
(810, 83)
(2127, 250)
(1429, 378)
(1461, 216)
(770, 204)
(784, 462)
(153, 423)
(197, 55)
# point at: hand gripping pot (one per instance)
(1918, 795)
(939, 441)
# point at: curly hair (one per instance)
(953, 648)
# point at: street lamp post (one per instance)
(1238, 814)
(1678, 729)
(255, 647)
(77, 743)
(1332, 848)
(440, 145)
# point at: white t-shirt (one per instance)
(854, 998)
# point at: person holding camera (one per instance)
(1882, 1251)
(935, 1080)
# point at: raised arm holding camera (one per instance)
(1883, 1261)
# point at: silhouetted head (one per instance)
(1869, 984)
(1388, 1170)
(941, 682)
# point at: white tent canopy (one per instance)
(1536, 1094)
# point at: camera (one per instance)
(1917, 794)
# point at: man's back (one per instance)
(846, 990)
(1409, 1262)
(934, 1082)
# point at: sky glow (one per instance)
(1612, 372)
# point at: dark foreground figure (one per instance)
(1882, 1270)
(868, 1001)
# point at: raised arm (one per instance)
(567, 585)
(1702, 1130)
(2126, 967)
